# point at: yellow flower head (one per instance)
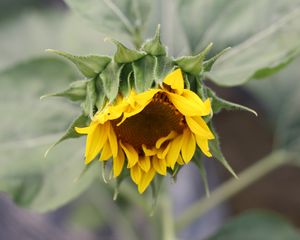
(150, 131)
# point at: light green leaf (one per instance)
(111, 80)
(263, 54)
(163, 66)
(207, 65)
(28, 127)
(257, 225)
(143, 70)
(90, 66)
(76, 91)
(193, 64)
(154, 46)
(113, 17)
(126, 55)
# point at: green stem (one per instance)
(167, 219)
(233, 186)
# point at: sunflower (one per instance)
(150, 131)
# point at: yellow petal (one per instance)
(142, 99)
(146, 180)
(131, 154)
(193, 97)
(180, 160)
(175, 80)
(131, 113)
(188, 146)
(118, 162)
(186, 106)
(96, 139)
(136, 173)
(113, 141)
(159, 165)
(203, 145)
(199, 127)
(106, 152)
(84, 130)
(160, 141)
(174, 151)
(149, 152)
(144, 163)
(162, 153)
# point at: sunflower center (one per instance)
(157, 120)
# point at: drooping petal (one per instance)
(188, 146)
(203, 145)
(96, 139)
(174, 151)
(136, 173)
(160, 141)
(186, 106)
(131, 154)
(149, 152)
(162, 152)
(199, 127)
(146, 180)
(106, 152)
(175, 80)
(118, 162)
(144, 163)
(193, 97)
(159, 165)
(113, 141)
(84, 130)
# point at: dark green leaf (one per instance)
(143, 70)
(90, 66)
(111, 80)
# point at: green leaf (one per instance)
(262, 55)
(215, 149)
(28, 127)
(111, 80)
(257, 225)
(89, 103)
(90, 66)
(193, 64)
(126, 80)
(207, 65)
(143, 70)
(100, 101)
(163, 66)
(76, 91)
(154, 46)
(113, 17)
(218, 104)
(126, 55)
(198, 160)
(80, 121)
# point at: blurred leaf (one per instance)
(28, 127)
(262, 55)
(113, 17)
(257, 225)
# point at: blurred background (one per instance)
(29, 126)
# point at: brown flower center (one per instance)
(157, 120)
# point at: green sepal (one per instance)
(143, 70)
(163, 66)
(126, 80)
(111, 80)
(90, 66)
(89, 103)
(193, 64)
(154, 46)
(80, 121)
(106, 174)
(126, 55)
(217, 104)
(100, 100)
(215, 149)
(207, 65)
(198, 160)
(75, 92)
(124, 174)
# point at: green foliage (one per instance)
(125, 55)
(257, 225)
(27, 131)
(154, 46)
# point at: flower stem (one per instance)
(167, 219)
(233, 186)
